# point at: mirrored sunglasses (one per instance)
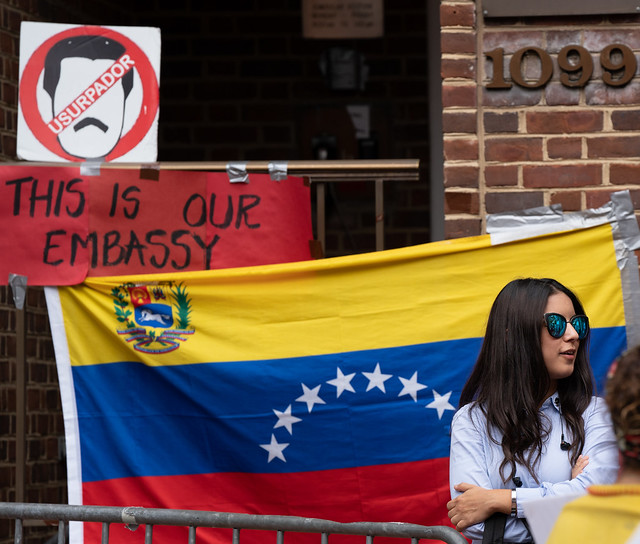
(557, 324)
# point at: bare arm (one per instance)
(476, 504)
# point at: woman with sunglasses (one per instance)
(528, 424)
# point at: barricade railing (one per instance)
(133, 517)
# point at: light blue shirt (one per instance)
(475, 459)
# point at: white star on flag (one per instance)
(440, 403)
(285, 419)
(342, 383)
(411, 386)
(310, 396)
(377, 379)
(274, 449)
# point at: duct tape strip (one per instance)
(626, 239)
(18, 288)
(150, 171)
(511, 226)
(129, 518)
(278, 170)
(237, 172)
(90, 168)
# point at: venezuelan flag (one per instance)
(320, 389)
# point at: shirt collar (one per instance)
(553, 400)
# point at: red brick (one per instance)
(624, 174)
(613, 147)
(457, 15)
(454, 121)
(570, 201)
(516, 96)
(597, 40)
(461, 176)
(557, 94)
(501, 175)
(461, 96)
(513, 201)
(455, 202)
(564, 122)
(460, 228)
(457, 42)
(7, 43)
(595, 199)
(557, 39)
(511, 41)
(599, 94)
(625, 119)
(561, 175)
(513, 149)
(564, 148)
(501, 122)
(460, 68)
(461, 149)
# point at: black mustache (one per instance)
(87, 121)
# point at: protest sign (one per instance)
(61, 226)
(88, 93)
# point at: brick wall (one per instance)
(509, 149)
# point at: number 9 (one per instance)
(627, 66)
(585, 63)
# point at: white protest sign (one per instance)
(88, 93)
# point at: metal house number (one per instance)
(574, 61)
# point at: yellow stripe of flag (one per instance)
(428, 293)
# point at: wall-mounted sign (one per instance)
(88, 93)
(342, 19)
(617, 62)
(539, 8)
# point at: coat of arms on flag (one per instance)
(147, 314)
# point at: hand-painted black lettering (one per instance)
(131, 213)
(112, 241)
(81, 198)
(228, 214)
(246, 203)
(77, 241)
(59, 195)
(17, 192)
(175, 240)
(149, 239)
(194, 202)
(134, 245)
(114, 199)
(49, 245)
(47, 197)
(207, 248)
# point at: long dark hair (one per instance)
(510, 379)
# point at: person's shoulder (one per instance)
(597, 405)
(467, 412)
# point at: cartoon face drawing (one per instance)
(88, 94)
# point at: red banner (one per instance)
(61, 226)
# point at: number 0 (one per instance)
(546, 67)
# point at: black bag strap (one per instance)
(494, 528)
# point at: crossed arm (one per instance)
(476, 504)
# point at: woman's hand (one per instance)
(476, 504)
(581, 463)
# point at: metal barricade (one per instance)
(149, 517)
